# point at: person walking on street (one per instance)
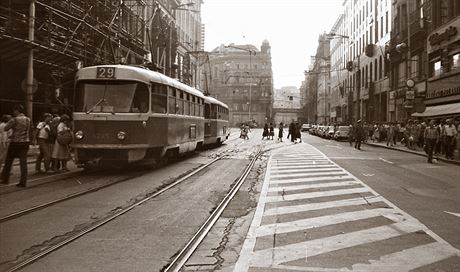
(359, 134)
(43, 134)
(280, 132)
(390, 134)
(350, 135)
(431, 136)
(272, 131)
(291, 131)
(19, 145)
(450, 135)
(61, 153)
(265, 132)
(4, 137)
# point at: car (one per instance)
(329, 132)
(342, 133)
(305, 127)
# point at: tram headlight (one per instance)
(121, 135)
(79, 135)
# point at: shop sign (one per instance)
(392, 95)
(410, 94)
(438, 38)
(400, 93)
(333, 114)
(443, 87)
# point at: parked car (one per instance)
(305, 127)
(342, 133)
(330, 130)
(312, 130)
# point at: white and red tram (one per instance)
(129, 114)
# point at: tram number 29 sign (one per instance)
(105, 72)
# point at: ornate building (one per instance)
(241, 76)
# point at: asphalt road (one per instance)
(428, 192)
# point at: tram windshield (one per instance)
(112, 96)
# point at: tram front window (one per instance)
(112, 96)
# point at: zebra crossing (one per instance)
(313, 215)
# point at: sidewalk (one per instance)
(34, 178)
(416, 151)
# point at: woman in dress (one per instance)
(61, 153)
(280, 132)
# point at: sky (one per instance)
(292, 28)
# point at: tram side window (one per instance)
(172, 100)
(207, 111)
(186, 104)
(159, 98)
(179, 102)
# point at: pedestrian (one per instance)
(61, 153)
(280, 132)
(265, 132)
(390, 134)
(359, 134)
(4, 137)
(52, 140)
(272, 131)
(450, 135)
(291, 132)
(350, 134)
(431, 136)
(298, 134)
(43, 132)
(18, 146)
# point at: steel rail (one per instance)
(182, 257)
(89, 229)
(62, 199)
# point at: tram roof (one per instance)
(212, 100)
(139, 74)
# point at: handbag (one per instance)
(64, 137)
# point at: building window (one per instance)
(436, 68)
(456, 61)
(386, 22)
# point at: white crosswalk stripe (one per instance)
(303, 180)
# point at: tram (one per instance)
(216, 121)
(126, 114)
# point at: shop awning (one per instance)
(440, 110)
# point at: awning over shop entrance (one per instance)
(440, 110)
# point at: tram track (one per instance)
(181, 258)
(74, 236)
(50, 203)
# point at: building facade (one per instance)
(241, 76)
(43, 44)
(442, 96)
(286, 105)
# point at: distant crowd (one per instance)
(439, 137)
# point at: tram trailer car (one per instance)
(127, 114)
(216, 121)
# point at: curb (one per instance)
(41, 179)
(415, 153)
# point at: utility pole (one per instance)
(30, 62)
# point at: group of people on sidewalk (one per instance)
(439, 137)
(52, 135)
